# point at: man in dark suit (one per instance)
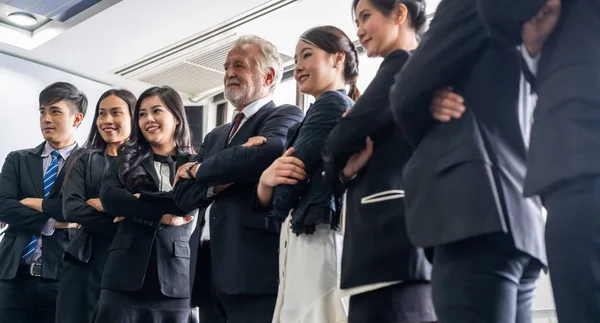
(564, 158)
(237, 266)
(465, 179)
(29, 203)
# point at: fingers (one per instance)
(369, 145)
(137, 195)
(118, 219)
(255, 141)
(288, 152)
(280, 180)
(346, 112)
(447, 105)
(175, 221)
(290, 161)
(2, 225)
(291, 174)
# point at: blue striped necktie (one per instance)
(49, 179)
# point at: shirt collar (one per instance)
(253, 107)
(64, 152)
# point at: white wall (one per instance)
(21, 82)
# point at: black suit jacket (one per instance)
(376, 247)
(466, 176)
(98, 230)
(244, 241)
(567, 116)
(22, 177)
(141, 234)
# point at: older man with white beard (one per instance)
(237, 252)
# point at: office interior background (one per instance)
(136, 44)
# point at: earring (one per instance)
(335, 66)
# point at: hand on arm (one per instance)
(537, 30)
(358, 161)
(284, 170)
(252, 142)
(96, 204)
(186, 171)
(66, 225)
(447, 105)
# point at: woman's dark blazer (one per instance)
(376, 246)
(98, 230)
(141, 231)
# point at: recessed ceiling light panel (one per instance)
(22, 19)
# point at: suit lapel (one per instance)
(245, 131)
(293, 134)
(60, 177)
(148, 165)
(223, 136)
(58, 183)
(35, 165)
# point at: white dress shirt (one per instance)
(527, 99)
(248, 112)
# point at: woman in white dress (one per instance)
(294, 186)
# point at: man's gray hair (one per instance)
(269, 56)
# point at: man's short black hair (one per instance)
(59, 91)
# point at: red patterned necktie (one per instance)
(236, 124)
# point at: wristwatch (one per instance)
(189, 168)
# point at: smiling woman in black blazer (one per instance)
(146, 278)
(386, 276)
(79, 287)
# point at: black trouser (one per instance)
(573, 246)
(217, 307)
(406, 302)
(27, 299)
(483, 280)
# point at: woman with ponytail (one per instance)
(385, 275)
(295, 189)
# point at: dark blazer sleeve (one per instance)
(53, 208)
(118, 201)
(241, 164)
(370, 116)
(12, 211)
(191, 194)
(448, 51)
(308, 147)
(504, 20)
(74, 201)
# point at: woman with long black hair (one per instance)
(87, 253)
(385, 275)
(294, 187)
(146, 278)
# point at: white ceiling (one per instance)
(132, 29)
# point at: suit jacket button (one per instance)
(151, 223)
(145, 221)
